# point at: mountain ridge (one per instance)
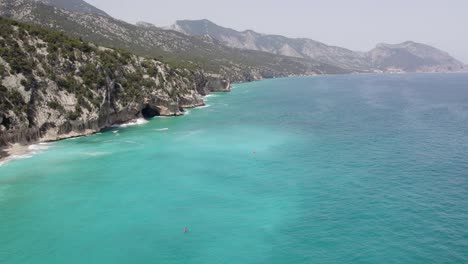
(74, 6)
(170, 46)
(383, 58)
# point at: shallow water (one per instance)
(330, 169)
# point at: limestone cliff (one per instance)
(53, 86)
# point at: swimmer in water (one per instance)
(185, 229)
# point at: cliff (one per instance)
(54, 87)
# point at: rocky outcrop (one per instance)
(218, 84)
(54, 87)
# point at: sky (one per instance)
(353, 24)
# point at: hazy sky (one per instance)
(353, 24)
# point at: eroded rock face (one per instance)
(149, 112)
(86, 88)
(218, 85)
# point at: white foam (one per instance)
(39, 147)
(32, 150)
(161, 129)
(136, 122)
(187, 112)
(204, 106)
(115, 132)
(210, 96)
(25, 156)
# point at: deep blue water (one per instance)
(329, 169)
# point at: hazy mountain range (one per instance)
(201, 43)
(178, 49)
(408, 56)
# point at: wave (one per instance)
(161, 129)
(187, 112)
(204, 106)
(136, 122)
(39, 147)
(75, 138)
(24, 152)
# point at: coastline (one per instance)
(11, 151)
(15, 150)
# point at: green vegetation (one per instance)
(77, 68)
(55, 105)
(12, 100)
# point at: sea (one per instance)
(325, 169)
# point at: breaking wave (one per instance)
(136, 122)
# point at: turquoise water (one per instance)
(330, 169)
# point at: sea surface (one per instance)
(329, 169)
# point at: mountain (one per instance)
(412, 57)
(404, 57)
(180, 50)
(79, 6)
(53, 86)
(251, 40)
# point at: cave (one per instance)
(149, 112)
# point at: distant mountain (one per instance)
(412, 57)
(180, 50)
(405, 57)
(251, 40)
(74, 6)
(234, 55)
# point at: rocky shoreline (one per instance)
(20, 145)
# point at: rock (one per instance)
(70, 103)
(218, 85)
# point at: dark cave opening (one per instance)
(149, 112)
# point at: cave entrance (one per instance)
(149, 112)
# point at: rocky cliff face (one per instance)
(54, 87)
(404, 57)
